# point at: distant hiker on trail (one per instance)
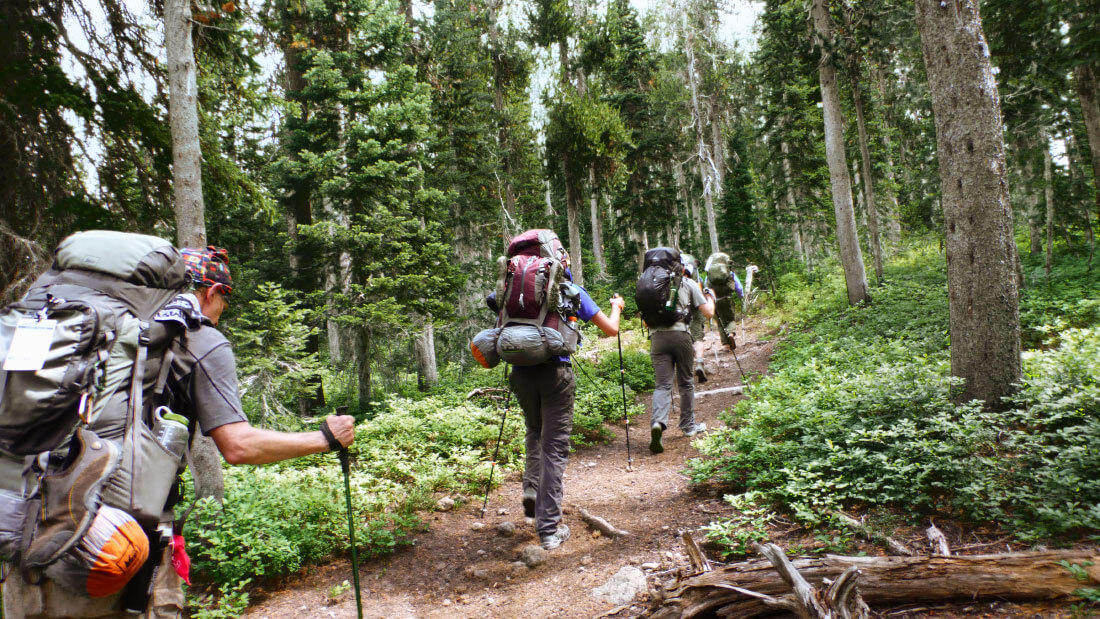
(722, 279)
(665, 298)
(698, 321)
(538, 306)
(110, 549)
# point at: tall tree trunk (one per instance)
(893, 214)
(981, 278)
(1048, 195)
(502, 124)
(1035, 237)
(708, 171)
(362, 364)
(792, 207)
(1086, 76)
(183, 92)
(851, 258)
(597, 226)
(427, 374)
(868, 184)
(187, 189)
(572, 193)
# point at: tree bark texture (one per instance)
(792, 207)
(427, 373)
(892, 216)
(708, 170)
(183, 114)
(572, 194)
(597, 225)
(979, 243)
(851, 257)
(362, 364)
(187, 189)
(1048, 198)
(868, 183)
(883, 581)
(1087, 79)
(1035, 237)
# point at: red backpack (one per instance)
(531, 328)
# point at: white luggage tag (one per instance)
(30, 345)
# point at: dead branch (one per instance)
(699, 561)
(600, 524)
(871, 535)
(938, 540)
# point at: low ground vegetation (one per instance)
(857, 413)
(411, 449)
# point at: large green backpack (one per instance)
(81, 351)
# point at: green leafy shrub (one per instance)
(857, 411)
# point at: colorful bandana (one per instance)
(208, 267)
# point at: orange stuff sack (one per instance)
(106, 558)
(484, 348)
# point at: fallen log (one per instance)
(883, 581)
(734, 390)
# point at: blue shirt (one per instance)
(587, 310)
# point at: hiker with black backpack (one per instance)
(111, 363)
(538, 307)
(665, 299)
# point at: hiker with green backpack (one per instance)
(111, 362)
(538, 306)
(665, 298)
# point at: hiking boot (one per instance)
(70, 497)
(555, 539)
(696, 428)
(655, 438)
(529, 503)
(700, 374)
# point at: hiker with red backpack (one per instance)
(538, 307)
(111, 362)
(665, 297)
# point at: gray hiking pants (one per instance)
(673, 355)
(545, 392)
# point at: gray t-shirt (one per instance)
(204, 377)
(690, 297)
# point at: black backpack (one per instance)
(657, 292)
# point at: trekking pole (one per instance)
(626, 416)
(733, 349)
(496, 451)
(346, 466)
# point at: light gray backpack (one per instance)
(81, 357)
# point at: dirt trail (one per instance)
(458, 570)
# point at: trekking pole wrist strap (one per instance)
(333, 444)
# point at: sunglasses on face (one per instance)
(222, 288)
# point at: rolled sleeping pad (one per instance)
(111, 552)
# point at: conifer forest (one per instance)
(916, 376)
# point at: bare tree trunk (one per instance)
(362, 364)
(502, 125)
(1087, 79)
(792, 207)
(572, 195)
(979, 243)
(1034, 235)
(597, 226)
(689, 202)
(708, 170)
(427, 374)
(868, 184)
(549, 210)
(187, 189)
(892, 216)
(183, 92)
(1048, 194)
(851, 257)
